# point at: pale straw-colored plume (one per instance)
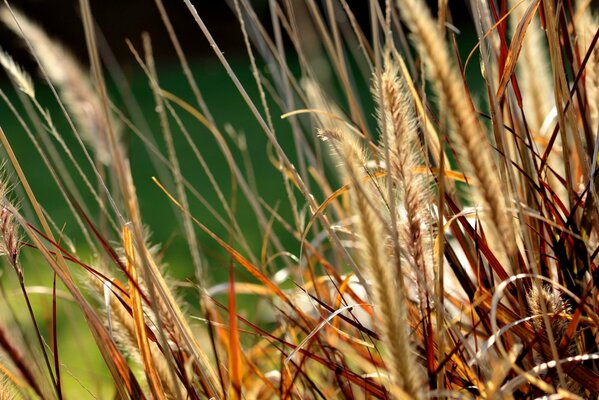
(376, 263)
(397, 120)
(8, 389)
(559, 313)
(469, 134)
(67, 75)
(20, 78)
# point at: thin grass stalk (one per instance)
(267, 111)
(250, 196)
(284, 82)
(178, 177)
(183, 60)
(57, 172)
(79, 94)
(587, 24)
(20, 361)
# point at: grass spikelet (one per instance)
(556, 309)
(395, 110)
(385, 284)
(124, 333)
(7, 389)
(64, 71)
(466, 128)
(17, 74)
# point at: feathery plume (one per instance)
(17, 74)
(386, 287)
(397, 120)
(66, 73)
(466, 128)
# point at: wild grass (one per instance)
(433, 239)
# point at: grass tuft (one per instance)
(399, 232)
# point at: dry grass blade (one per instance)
(516, 47)
(385, 271)
(587, 26)
(234, 344)
(139, 320)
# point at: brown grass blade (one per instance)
(234, 343)
(138, 318)
(515, 47)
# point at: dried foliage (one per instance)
(444, 236)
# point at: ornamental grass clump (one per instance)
(430, 236)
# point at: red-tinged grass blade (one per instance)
(339, 296)
(370, 387)
(55, 340)
(330, 270)
(580, 373)
(493, 28)
(117, 288)
(138, 319)
(17, 358)
(515, 47)
(125, 382)
(483, 246)
(245, 263)
(234, 343)
(350, 321)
